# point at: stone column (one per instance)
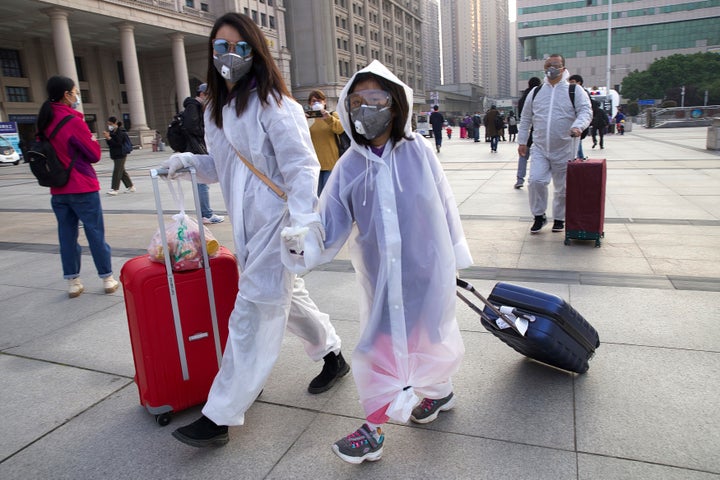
(64, 55)
(180, 66)
(133, 84)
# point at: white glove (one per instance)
(294, 237)
(178, 161)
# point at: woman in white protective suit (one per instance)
(251, 113)
(389, 196)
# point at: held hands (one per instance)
(178, 161)
(295, 238)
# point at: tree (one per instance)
(666, 76)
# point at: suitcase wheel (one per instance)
(163, 419)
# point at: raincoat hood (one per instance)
(380, 70)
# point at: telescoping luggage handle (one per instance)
(162, 172)
(518, 322)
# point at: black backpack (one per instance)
(499, 123)
(44, 163)
(343, 142)
(176, 137)
(127, 146)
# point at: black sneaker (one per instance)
(518, 184)
(558, 226)
(429, 409)
(540, 221)
(363, 444)
(203, 432)
(335, 367)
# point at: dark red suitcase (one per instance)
(177, 340)
(585, 200)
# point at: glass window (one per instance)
(121, 73)
(190, 3)
(17, 94)
(10, 60)
(271, 21)
(80, 68)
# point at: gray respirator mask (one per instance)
(552, 73)
(371, 121)
(231, 66)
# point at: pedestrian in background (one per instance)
(323, 132)
(437, 120)
(115, 136)
(523, 159)
(78, 200)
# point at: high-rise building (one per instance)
(475, 44)
(431, 44)
(331, 40)
(642, 32)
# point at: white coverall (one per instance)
(276, 140)
(552, 115)
(406, 243)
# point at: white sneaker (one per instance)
(213, 219)
(131, 189)
(75, 287)
(112, 192)
(110, 284)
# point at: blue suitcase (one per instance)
(538, 325)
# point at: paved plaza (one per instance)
(648, 408)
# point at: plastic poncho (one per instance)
(276, 140)
(551, 115)
(406, 242)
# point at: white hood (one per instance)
(382, 71)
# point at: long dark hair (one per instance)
(264, 71)
(56, 87)
(400, 107)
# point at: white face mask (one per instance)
(111, 128)
(317, 106)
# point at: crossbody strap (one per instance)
(261, 175)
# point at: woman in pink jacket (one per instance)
(79, 199)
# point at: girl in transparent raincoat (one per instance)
(389, 198)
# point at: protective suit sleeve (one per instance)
(297, 161)
(463, 258)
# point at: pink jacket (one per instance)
(75, 138)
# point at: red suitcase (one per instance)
(585, 200)
(177, 333)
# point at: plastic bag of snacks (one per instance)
(183, 237)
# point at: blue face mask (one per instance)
(76, 103)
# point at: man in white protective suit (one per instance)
(556, 120)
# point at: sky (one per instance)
(512, 10)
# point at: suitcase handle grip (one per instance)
(467, 286)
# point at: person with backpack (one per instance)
(556, 119)
(78, 200)
(118, 142)
(194, 129)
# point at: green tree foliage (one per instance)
(666, 76)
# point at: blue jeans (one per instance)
(494, 142)
(522, 168)
(580, 153)
(204, 194)
(70, 210)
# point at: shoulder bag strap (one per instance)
(57, 129)
(260, 175)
